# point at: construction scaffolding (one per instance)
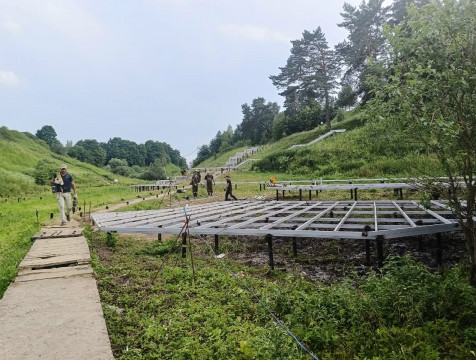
(359, 220)
(313, 219)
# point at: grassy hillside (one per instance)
(20, 152)
(219, 160)
(21, 198)
(361, 152)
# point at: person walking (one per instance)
(229, 189)
(210, 182)
(63, 183)
(195, 181)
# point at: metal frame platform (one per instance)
(384, 219)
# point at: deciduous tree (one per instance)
(431, 94)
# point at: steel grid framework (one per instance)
(312, 219)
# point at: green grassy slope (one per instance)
(20, 152)
(21, 198)
(361, 152)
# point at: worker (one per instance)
(62, 184)
(210, 182)
(229, 189)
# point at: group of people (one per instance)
(63, 183)
(210, 181)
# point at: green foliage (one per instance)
(258, 120)
(141, 154)
(365, 152)
(89, 151)
(435, 46)
(48, 134)
(44, 171)
(346, 97)
(309, 75)
(340, 116)
(117, 166)
(155, 171)
(406, 312)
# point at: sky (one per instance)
(174, 71)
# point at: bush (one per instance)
(44, 171)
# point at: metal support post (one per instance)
(277, 195)
(367, 251)
(216, 243)
(300, 194)
(439, 250)
(294, 247)
(269, 239)
(380, 251)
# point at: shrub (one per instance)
(44, 171)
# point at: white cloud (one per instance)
(253, 33)
(71, 19)
(9, 78)
(10, 25)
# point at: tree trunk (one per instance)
(328, 117)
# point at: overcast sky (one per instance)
(175, 71)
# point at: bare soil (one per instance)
(326, 260)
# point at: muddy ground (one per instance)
(327, 260)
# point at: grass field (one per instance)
(19, 220)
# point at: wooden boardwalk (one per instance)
(52, 310)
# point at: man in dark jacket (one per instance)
(195, 181)
(229, 189)
(209, 179)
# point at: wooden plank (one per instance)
(60, 272)
(55, 252)
(57, 232)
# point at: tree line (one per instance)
(123, 157)
(317, 81)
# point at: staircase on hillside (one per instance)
(237, 160)
(322, 137)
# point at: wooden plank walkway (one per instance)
(53, 310)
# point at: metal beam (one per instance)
(288, 219)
